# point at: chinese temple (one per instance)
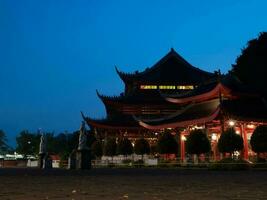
(174, 95)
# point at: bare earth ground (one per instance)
(150, 184)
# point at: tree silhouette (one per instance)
(229, 142)
(250, 66)
(3, 142)
(110, 147)
(167, 144)
(124, 147)
(97, 149)
(197, 143)
(141, 147)
(259, 140)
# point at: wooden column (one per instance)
(182, 146)
(245, 140)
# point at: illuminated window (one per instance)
(185, 87)
(148, 87)
(167, 87)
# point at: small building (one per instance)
(55, 161)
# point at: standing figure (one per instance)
(42, 151)
(82, 138)
(42, 147)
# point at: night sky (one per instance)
(55, 54)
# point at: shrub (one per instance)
(259, 140)
(197, 143)
(141, 147)
(97, 150)
(230, 141)
(124, 147)
(167, 144)
(110, 147)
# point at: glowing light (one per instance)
(133, 144)
(214, 136)
(251, 126)
(237, 132)
(231, 123)
(198, 127)
(183, 138)
(156, 133)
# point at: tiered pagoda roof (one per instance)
(171, 69)
(225, 97)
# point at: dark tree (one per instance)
(229, 142)
(167, 144)
(197, 143)
(3, 143)
(97, 149)
(124, 147)
(141, 147)
(110, 148)
(27, 143)
(259, 140)
(250, 66)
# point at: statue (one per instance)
(42, 151)
(82, 138)
(83, 153)
(42, 147)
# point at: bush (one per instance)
(141, 147)
(110, 147)
(230, 141)
(259, 140)
(230, 164)
(197, 143)
(124, 147)
(97, 150)
(167, 144)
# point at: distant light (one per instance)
(251, 126)
(169, 128)
(183, 138)
(237, 132)
(156, 133)
(214, 136)
(231, 123)
(198, 127)
(133, 144)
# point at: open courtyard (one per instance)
(32, 184)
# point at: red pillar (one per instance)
(182, 149)
(245, 140)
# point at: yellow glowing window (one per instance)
(167, 87)
(148, 87)
(185, 87)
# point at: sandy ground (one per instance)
(150, 184)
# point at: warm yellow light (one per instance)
(148, 87)
(185, 87)
(183, 138)
(251, 126)
(167, 87)
(214, 136)
(231, 123)
(237, 132)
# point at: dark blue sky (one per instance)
(55, 54)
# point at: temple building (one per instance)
(173, 94)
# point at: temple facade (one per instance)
(174, 95)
